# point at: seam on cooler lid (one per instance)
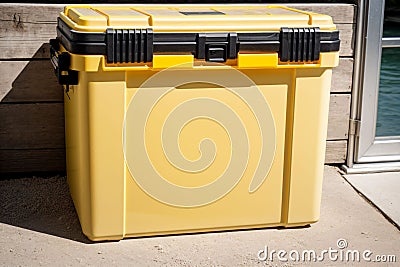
(149, 16)
(309, 14)
(104, 14)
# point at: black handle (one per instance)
(61, 63)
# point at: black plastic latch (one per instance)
(216, 47)
(129, 46)
(61, 63)
(299, 44)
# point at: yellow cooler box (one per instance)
(194, 118)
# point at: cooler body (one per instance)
(184, 119)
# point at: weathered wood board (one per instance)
(336, 152)
(32, 160)
(29, 81)
(339, 113)
(49, 160)
(32, 126)
(340, 13)
(342, 76)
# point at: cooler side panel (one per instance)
(77, 149)
(308, 145)
(107, 176)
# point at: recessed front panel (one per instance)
(204, 155)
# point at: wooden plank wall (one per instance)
(31, 107)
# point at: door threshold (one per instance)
(360, 168)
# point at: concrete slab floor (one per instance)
(39, 227)
(382, 189)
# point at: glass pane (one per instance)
(392, 19)
(388, 121)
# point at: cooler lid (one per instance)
(236, 18)
(127, 34)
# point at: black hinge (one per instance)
(299, 44)
(129, 46)
(61, 63)
(216, 47)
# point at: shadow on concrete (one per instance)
(40, 204)
(32, 140)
